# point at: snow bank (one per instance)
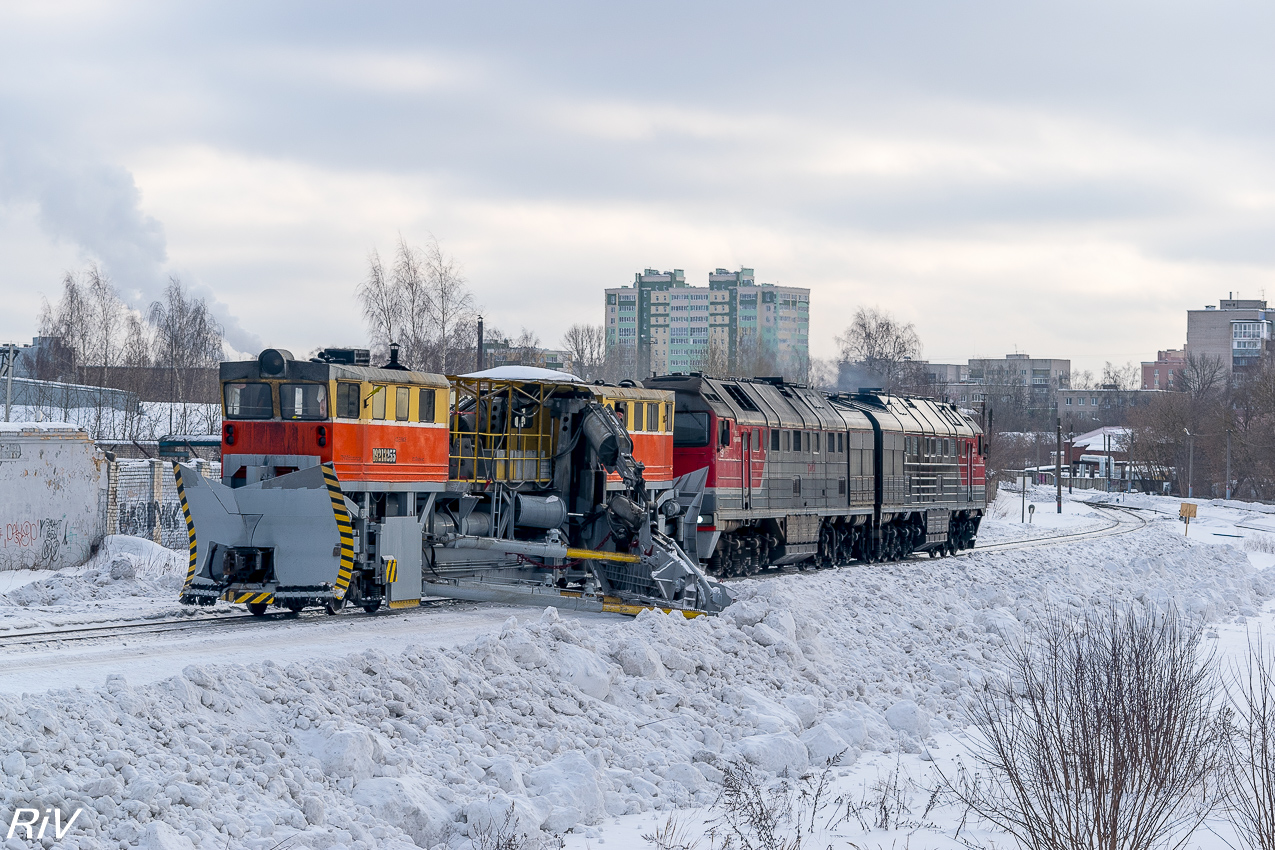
(555, 723)
(122, 567)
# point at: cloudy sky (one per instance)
(1061, 179)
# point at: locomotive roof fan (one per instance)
(273, 361)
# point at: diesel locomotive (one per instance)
(794, 476)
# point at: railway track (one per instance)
(204, 624)
(1123, 520)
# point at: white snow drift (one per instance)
(562, 722)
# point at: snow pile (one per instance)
(122, 567)
(556, 723)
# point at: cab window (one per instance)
(303, 401)
(248, 401)
(691, 429)
(652, 417)
(723, 433)
(378, 402)
(347, 400)
(402, 399)
(425, 406)
(668, 417)
(621, 414)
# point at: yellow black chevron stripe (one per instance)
(250, 596)
(391, 570)
(344, 527)
(190, 526)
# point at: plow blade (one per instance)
(285, 541)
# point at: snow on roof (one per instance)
(1096, 439)
(10, 427)
(524, 373)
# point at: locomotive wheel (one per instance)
(334, 606)
(371, 607)
(295, 608)
(257, 609)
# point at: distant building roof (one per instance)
(1094, 439)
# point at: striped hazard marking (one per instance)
(249, 596)
(190, 526)
(345, 527)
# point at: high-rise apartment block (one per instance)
(734, 326)
(1236, 334)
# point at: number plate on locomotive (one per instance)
(384, 455)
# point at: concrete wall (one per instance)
(51, 495)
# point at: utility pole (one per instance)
(1058, 466)
(1228, 463)
(1023, 483)
(1190, 464)
(1106, 439)
(8, 384)
(480, 344)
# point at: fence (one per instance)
(141, 500)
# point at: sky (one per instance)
(1064, 180)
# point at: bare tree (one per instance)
(527, 348)
(823, 374)
(883, 346)
(136, 352)
(717, 360)
(1202, 376)
(412, 286)
(187, 336)
(1083, 379)
(381, 303)
(106, 318)
(422, 303)
(752, 359)
(451, 305)
(587, 346)
(1106, 736)
(1127, 377)
(69, 321)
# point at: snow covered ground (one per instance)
(428, 727)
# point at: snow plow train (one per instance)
(348, 484)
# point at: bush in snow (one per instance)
(1252, 752)
(1106, 734)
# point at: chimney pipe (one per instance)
(394, 364)
(480, 344)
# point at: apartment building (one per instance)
(735, 325)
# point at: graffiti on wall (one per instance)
(35, 543)
(139, 519)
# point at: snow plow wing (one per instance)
(286, 541)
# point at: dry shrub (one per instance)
(1251, 761)
(1260, 543)
(1107, 734)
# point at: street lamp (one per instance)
(1190, 463)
